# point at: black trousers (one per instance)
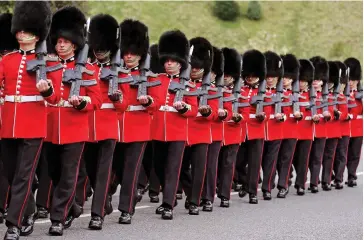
(83, 183)
(45, 188)
(196, 156)
(284, 163)
(355, 146)
(328, 159)
(241, 170)
(315, 162)
(226, 169)
(63, 168)
(209, 188)
(98, 161)
(251, 153)
(269, 162)
(4, 187)
(20, 158)
(131, 159)
(341, 157)
(167, 164)
(300, 161)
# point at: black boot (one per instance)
(95, 223)
(242, 193)
(300, 191)
(125, 218)
(187, 204)
(154, 198)
(267, 195)
(282, 193)
(42, 212)
(56, 229)
(13, 233)
(224, 202)
(313, 188)
(27, 225)
(179, 196)
(326, 187)
(139, 195)
(72, 215)
(253, 199)
(207, 206)
(352, 183)
(193, 209)
(108, 205)
(1, 217)
(167, 214)
(237, 187)
(339, 185)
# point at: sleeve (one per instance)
(2, 79)
(213, 103)
(343, 108)
(53, 95)
(122, 105)
(93, 100)
(154, 93)
(192, 106)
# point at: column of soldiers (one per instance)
(180, 114)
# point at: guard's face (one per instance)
(228, 80)
(65, 48)
(102, 55)
(196, 73)
(26, 37)
(272, 81)
(131, 60)
(353, 84)
(251, 81)
(317, 83)
(303, 85)
(287, 82)
(172, 67)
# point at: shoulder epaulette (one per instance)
(9, 53)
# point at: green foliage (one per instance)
(337, 49)
(6, 6)
(254, 11)
(226, 11)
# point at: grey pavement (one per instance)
(326, 215)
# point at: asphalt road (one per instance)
(326, 215)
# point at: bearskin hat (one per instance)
(134, 38)
(307, 70)
(291, 66)
(69, 23)
(155, 64)
(355, 68)
(334, 70)
(321, 68)
(174, 45)
(8, 41)
(104, 33)
(254, 64)
(202, 55)
(344, 72)
(218, 62)
(233, 62)
(32, 16)
(274, 64)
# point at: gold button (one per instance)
(20, 71)
(17, 86)
(20, 76)
(17, 92)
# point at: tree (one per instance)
(226, 11)
(254, 11)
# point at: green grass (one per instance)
(333, 30)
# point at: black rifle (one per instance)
(258, 100)
(277, 98)
(325, 97)
(112, 76)
(347, 94)
(141, 81)
(295, 95)
(74, 76)
(335, 96)
(359, 93)
(39, 66)
(312, 105)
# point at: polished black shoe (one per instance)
(179, 196)
(282, 193)
(260, 180)
(27, 225)
(187, 204)
(13, 233)
(267, 195)
(159, 209)
(253, 199)
(300, 191)
(352, 183)
(108, 205)
(207, 206)
(95, 223)
(139, 195)
(167, 214)
(193, 210)
(68, 221)
(339, 185)
(1, 218)
(154, 199)
(326, 187)
(224, 203)
(237, 187)
(56, 229)
(42, 212)
(242, 193)
(125, 218)
(314, 189)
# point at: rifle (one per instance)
(180, 88)
(74, 76)
(277, 98)
(359, 94)
(312, 105)
(112, 76)
(141, 81)
(347, 93)
(295, 96)
(336, 94)
(258, 100)
(38, 65)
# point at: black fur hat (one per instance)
(218, 62)
(291, 66)
(202, 55)
(274, 64)
(344, 72)
(307, 70)
(254, 64)
(155, 64)
(134, 38)
(104, 33)
(355, 68)
(233, 62)
(174, 45)
(321, 68)
(333, 72)
(8, 41)
(32, 16)
(69, 22)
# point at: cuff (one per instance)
(150, 101)
(47, 93)
(224, 117)
(206, 114)
(185, 109)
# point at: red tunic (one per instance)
(320, 128)
(273, 128)
(65, 123)
(104, 122)
(199, 127)
(290, 126)
(136, 120)
(254, 129)
(168, 124)
(336, 128)
(20, 117)
(356, 123)
(305, 126)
